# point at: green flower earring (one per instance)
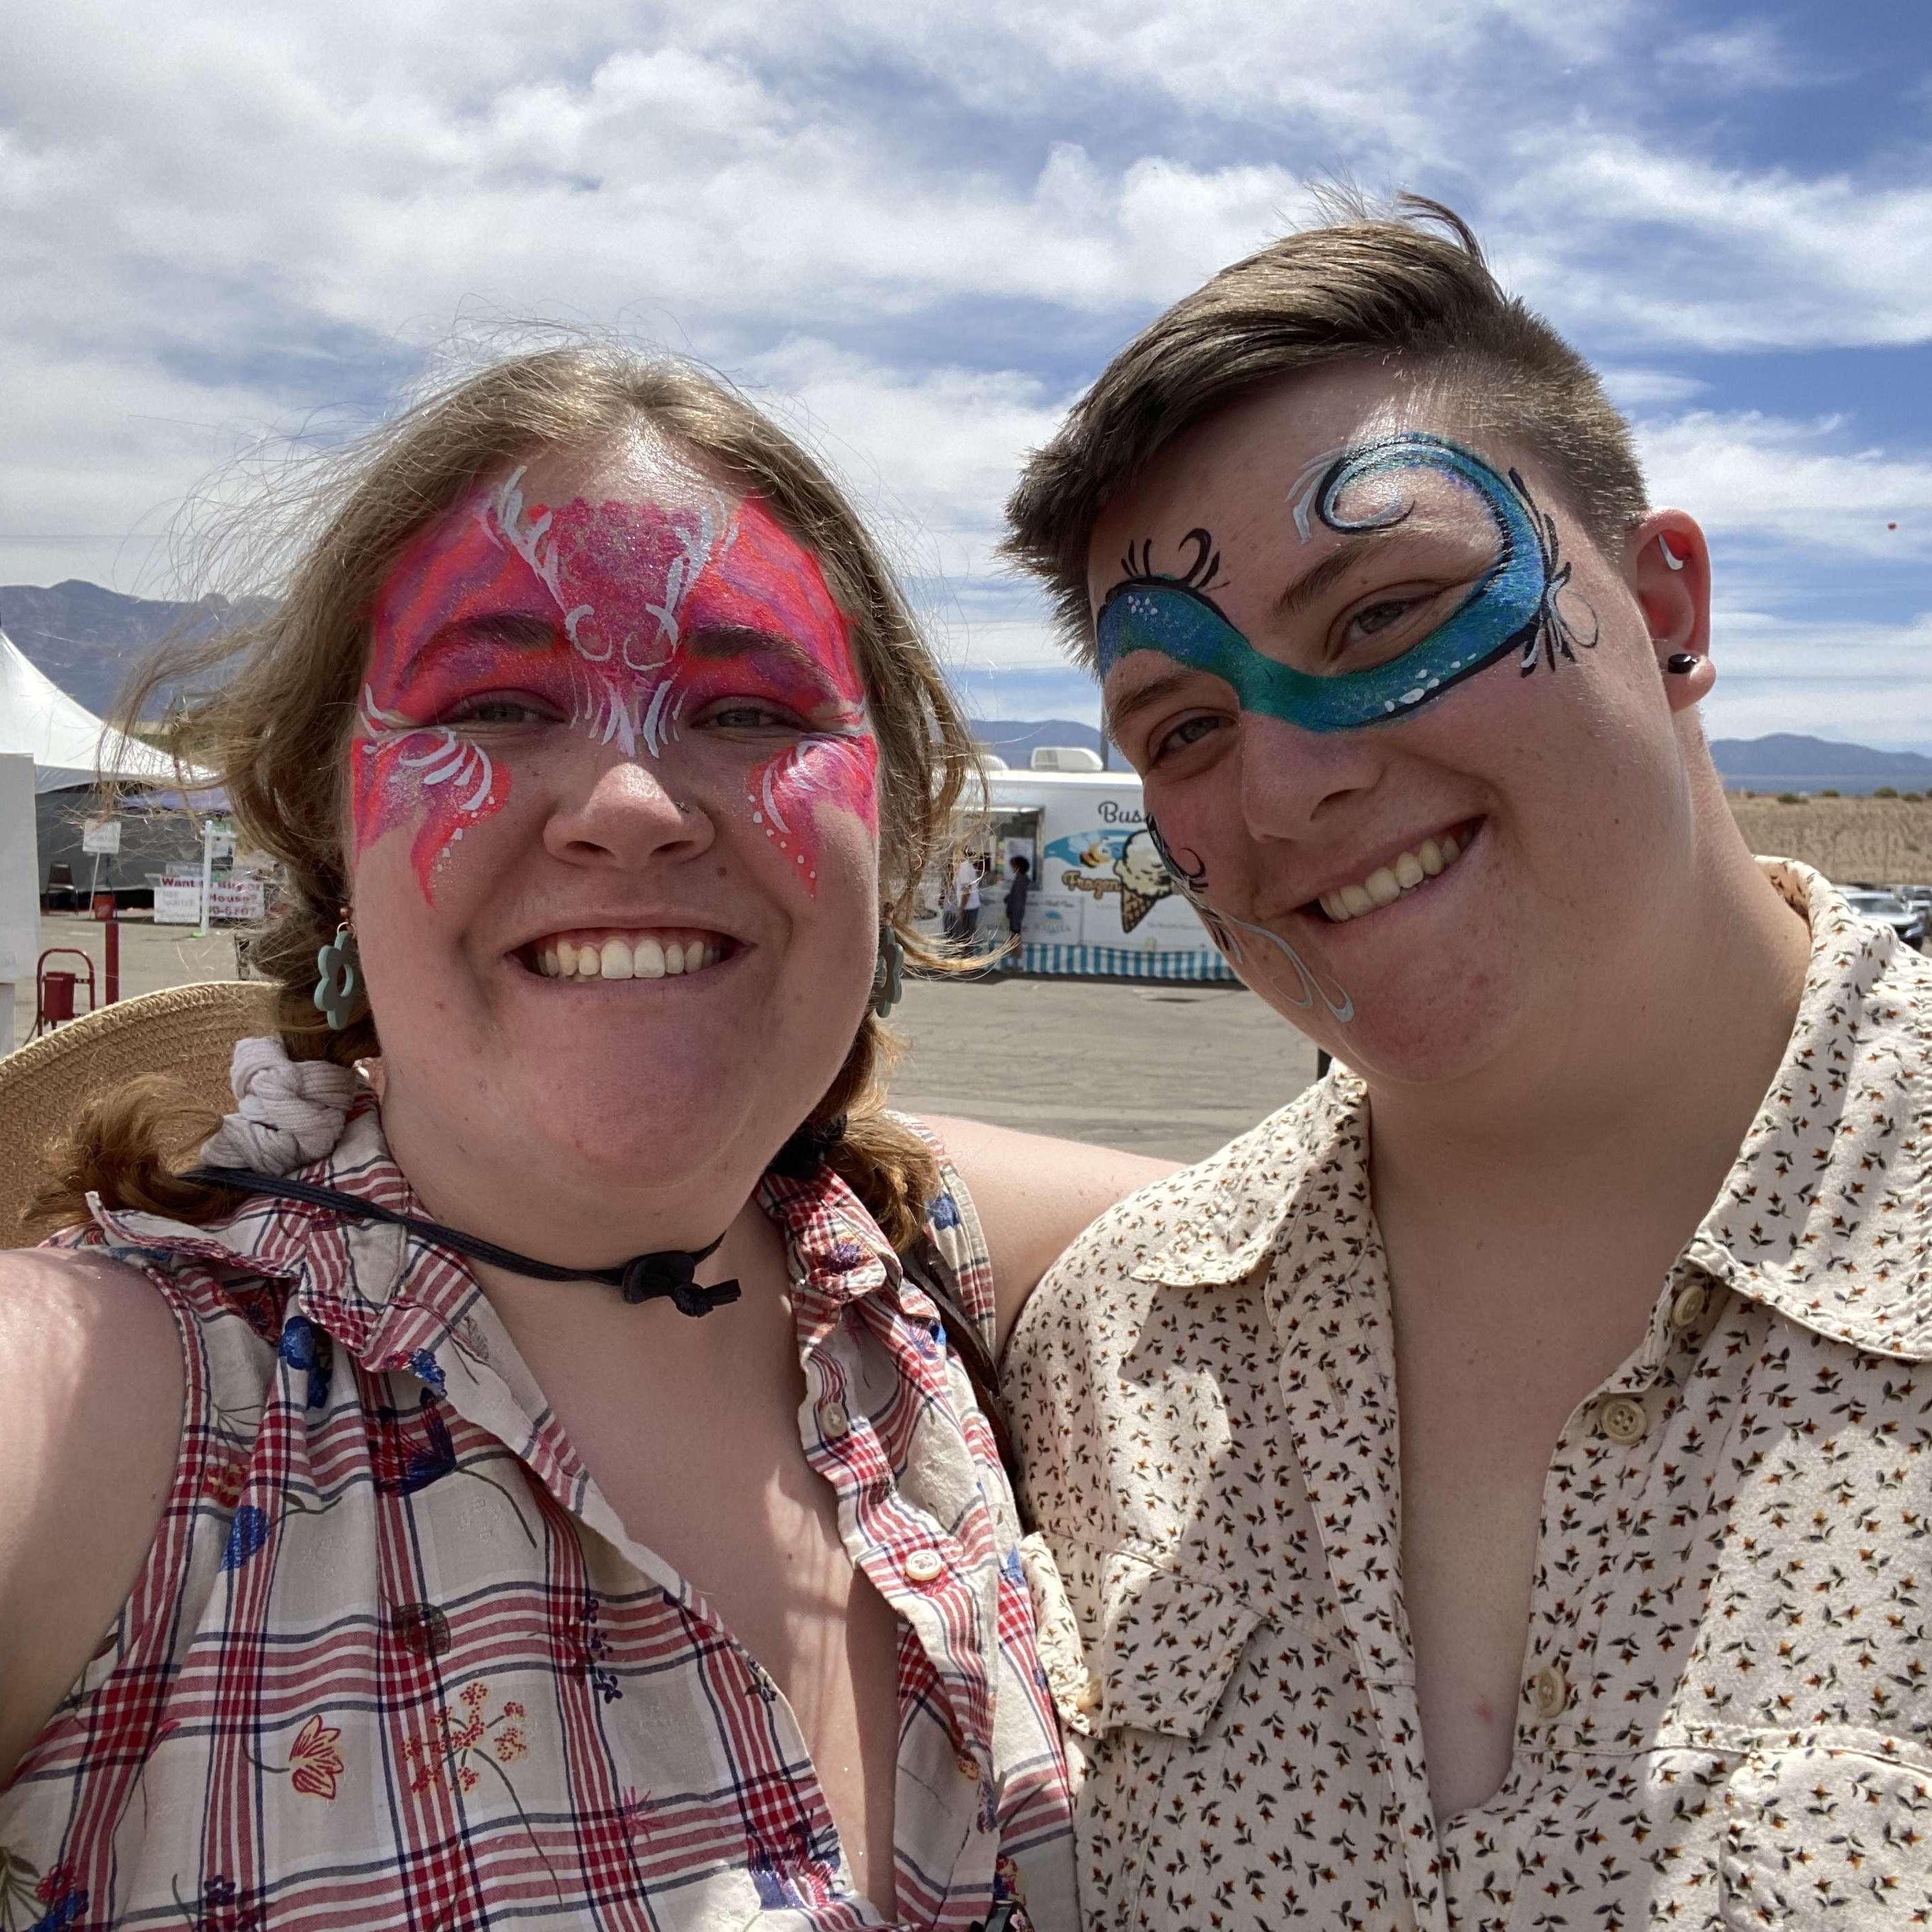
(889, 973)
(338, 992)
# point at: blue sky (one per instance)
(917, 230)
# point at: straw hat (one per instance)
(187, 1031)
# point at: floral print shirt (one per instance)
(1725, 1710)
(393, 1660)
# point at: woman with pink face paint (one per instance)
(527, 1459)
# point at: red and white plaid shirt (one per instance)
(394, 1661)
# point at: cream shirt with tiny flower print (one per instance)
(1725, 1711)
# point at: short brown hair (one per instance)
(1360, 286)
(274, 727)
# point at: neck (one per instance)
(568, 1214)
(1642, 1088)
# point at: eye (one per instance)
(1387, 624)
(500, 708)
(751, 714)
(1177, 738)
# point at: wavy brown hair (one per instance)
(275, 727)
(1407, 287)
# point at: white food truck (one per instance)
(1102, 903)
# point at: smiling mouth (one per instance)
(603, 953)
(1407, 872)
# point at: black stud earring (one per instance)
(1678, 662)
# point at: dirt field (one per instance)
(1872, 840)
(1177, 1070)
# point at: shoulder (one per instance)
(1033, 1196)
(1211, 1222)
(91, 1364)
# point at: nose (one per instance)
(1292, 781)
(628, 815)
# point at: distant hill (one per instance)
(1787, 761)
(88, 639)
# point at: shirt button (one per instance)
(833, 1419)
(1551, 1690)
(1689, 1306)
(923, 1566)
(1624, 1419)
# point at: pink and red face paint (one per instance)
(625, 619)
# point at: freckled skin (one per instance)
(630, 618)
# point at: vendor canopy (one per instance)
(68, 744)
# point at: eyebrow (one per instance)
(728, 640)
(1151, 692)
(519, 630)
(1323, 576)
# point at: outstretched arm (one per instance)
(89, 1435)
(1034, 1195)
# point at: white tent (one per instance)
(68, 744)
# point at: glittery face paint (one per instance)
(1513, 606)
(639, 623)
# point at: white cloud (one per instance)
(1759, 475)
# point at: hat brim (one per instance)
(188, 1032)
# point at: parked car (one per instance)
(1888, 909)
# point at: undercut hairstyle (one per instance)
(1407, 289)
(278, 704)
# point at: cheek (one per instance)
(432, 782)
(786, 794)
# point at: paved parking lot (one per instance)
(1164, 1069)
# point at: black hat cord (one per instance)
(666, 1274)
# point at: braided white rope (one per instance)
(291, 1111)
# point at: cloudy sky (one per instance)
(916, 229)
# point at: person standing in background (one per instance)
(1017, 887)
(966, 901)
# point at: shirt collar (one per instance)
(381, 1291)
(1825, 1217)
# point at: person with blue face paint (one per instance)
(1438, 1484)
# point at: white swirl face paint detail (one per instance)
(1674, 561)
(452, 757)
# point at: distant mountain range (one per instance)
(88, 639)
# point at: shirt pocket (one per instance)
(1130, 1644)
(1831, 1832)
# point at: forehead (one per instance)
(640, 467)
(1233, 474)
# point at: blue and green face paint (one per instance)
(1512, 606)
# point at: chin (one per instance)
(1412, 1031)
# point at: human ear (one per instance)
(1669, 570)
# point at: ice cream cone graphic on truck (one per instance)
(1137, 875)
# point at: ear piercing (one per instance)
(1674, 562)
(1678, 662)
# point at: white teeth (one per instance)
(637, 955)
(1386, 883)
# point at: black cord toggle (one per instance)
(670, 1273)
(666, 1274)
